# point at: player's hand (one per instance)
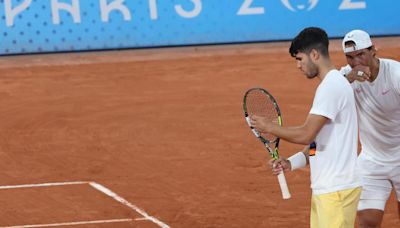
(280, 165)
(261, 124)
(359, 73)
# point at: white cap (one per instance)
(360, 38)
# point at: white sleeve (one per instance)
(396, 80)
(328, 102)
(345, 70)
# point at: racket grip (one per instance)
(284, 186)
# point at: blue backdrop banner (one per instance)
(30, 26)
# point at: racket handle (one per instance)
(284, 186)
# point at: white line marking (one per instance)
(98, 187)
(136, 219)
(70, 223)
(113, 195)
(42, 185)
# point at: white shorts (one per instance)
(377, 183)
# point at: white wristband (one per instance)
(298, 160)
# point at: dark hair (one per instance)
(308, 39)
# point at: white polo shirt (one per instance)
(378, 106)
(333, 167)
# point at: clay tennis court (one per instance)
(93, 139)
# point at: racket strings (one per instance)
(259, 104)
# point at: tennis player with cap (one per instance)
(376, 85)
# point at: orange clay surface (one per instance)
(162, 128)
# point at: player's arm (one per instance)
(395, 81)
(298, 160)
(304, 134)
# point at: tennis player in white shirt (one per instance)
(332, 123)
(376, 85)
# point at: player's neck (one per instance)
(374, 69)
(324, 69)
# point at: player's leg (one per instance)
(398, 208)
(350, 199)
(375, 193)
(395, 178)
(325, 211)
(337, 209)
(370, 218)
(371, 211)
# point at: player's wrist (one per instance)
(272, 128)
(298, 160)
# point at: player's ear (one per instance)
(314, 55)
(373, 50)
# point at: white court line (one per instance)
(42, 185)
(110, 193)
(70, 223)
(98, 187)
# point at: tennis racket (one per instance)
(258, 101)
